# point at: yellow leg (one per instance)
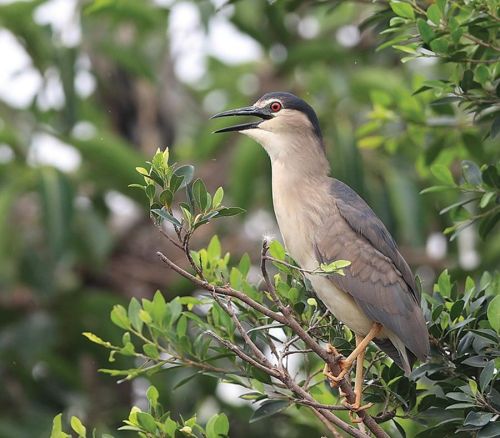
(361, 345)
(358, 385)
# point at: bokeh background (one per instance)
(89, 90)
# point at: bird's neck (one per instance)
(296, 155)
(299, 181)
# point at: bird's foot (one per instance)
(345, 367)
(354, 408)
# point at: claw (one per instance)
(345, 367)
(354, 408)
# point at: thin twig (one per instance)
(319, 405)
(172, 241)
(327, 424)
(243, 356)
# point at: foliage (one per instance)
(152, 424)
(224, 334)
(478, 186)
(115, 91)
(464, 35)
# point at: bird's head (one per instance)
(287, 122)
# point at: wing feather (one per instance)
(378, 278)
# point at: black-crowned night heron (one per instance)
(321, 220)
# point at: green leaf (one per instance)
(312, 302)
(166, 215)
(442, 173)
(181, 177)
(244, 265)
(217, 426)
(276, 250)
(268, 408)
(146, 421)
(78, 427)
(471, 172)
(214, 248)
(229, 211)
(170, 427)
(456, 309)
(446, 100)
(406, 49)
(119, 317)
(491, 175)
(494, 313)
(159, 308)
(439, 45)
(495, 127)
(152, 396)
(492, 430)
(404, 10)
(425, 30)
(181, 328)
(145, 317)
(134, 308)
(433, 189)
(334, 266)
(444, 284)
(478, 418)
(166, 197)
(434, 14)
(218, 196)
(200, 194)
(481, 74)
(371, 142)
(487, 374)
(57, 428)
(486, 199)
(96, 339)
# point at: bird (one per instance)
(321, 220)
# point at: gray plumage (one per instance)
(379, 279)
(321, 219)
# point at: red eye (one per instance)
(275, 107)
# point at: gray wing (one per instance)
(379, 279)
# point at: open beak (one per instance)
(263, 113)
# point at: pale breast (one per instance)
(299, 215)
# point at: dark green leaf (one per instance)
(230, 211)
(181, 177)
(425, 30)
(446, 100)
(167, 216)
(439, 45)
(200, 194)
(269, 408)
(492, 430)
(471, 172)
(487, 375)
(478, 418)
(495, 127)
(491, 176)
(476, 361)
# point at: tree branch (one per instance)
(285, 318)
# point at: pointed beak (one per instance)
(263, 113)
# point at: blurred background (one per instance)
(90, 89)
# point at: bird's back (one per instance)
(378, 279)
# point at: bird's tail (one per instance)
(403, 359)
